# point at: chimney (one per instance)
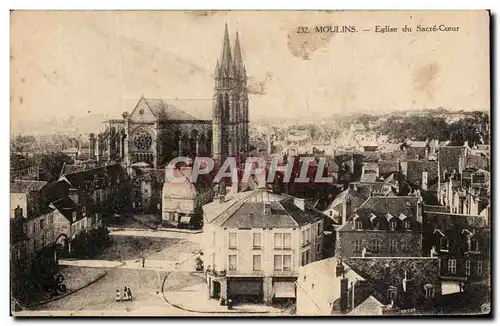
(339, 269)
(420, 209)
(222, 193)
(346, 209)
(73, 194)
(98, 148)
(91, 146)
(267, 209)
(299, 202)
(18, 212)
(424, 180)
(344, 294)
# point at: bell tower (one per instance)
(230, 104)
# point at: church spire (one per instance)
(225, 57)
(217, 70)
(238, 62)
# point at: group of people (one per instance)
(127, 294)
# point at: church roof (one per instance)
(178, 109)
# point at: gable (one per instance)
(143, 113)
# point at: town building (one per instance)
(68, 221)
(461, 242)
(31, 249)
(96, 190)
(343, 205)
(388, 226)
(182, 202)
(369, 286)
(148, 186)
(255, 242)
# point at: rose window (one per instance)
(143, 141)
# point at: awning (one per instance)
(186, 219)
(284, 290)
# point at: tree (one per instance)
(51, 165)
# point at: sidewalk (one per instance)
(159, 229)
(192, 296)
(186, 264)
(90, 263)
(76, 278)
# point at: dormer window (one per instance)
(74, 216)
(473, 245)
(443, 244)
(407, 224)
(358, 224)
(393, 223)
(429, 291)
(373, 220)
(392, 293)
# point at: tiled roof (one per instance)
(388, 166)
(445, 221)
(56, 190)
(381, 206)
(383, 272)
(251, 215)
(78, 179)
(435, 208)
(449, 157)
(371, 157)
(247, 210)
(414, 168)
(72, 168)
(381, 188)
(181, 109)
(478, 161)
(66, 206)
(356, 199)
(25, 186)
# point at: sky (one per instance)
(78, 63)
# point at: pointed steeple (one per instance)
(238, 62)
(225, 57)
(217, 70)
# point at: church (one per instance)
(158, 130)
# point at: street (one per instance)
(163, 251)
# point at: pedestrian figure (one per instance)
(118, 296)
(143, 261)
(129, 292)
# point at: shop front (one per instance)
(284, 289)
(246, 289)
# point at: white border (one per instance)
(218, 4)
